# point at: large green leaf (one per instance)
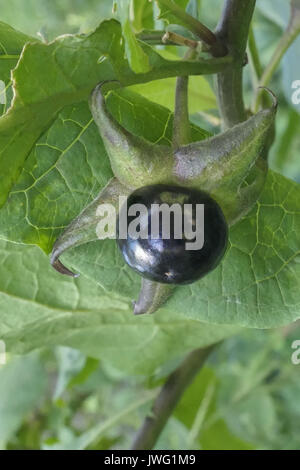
(256, 285)
(51, 76)
(68, 166)
(137, 58)
(64, 171)
(38, 307)
(142, 15)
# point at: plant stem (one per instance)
(195, 26)
(257, 70)
(179, 40)
(201, 415)
(254, 57)
(289, 36)
(233, 30)
(168, 398)
(151, 37)
(173, 68)
(181, 125)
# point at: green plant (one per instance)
(54, 165)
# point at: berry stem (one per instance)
(181, 126)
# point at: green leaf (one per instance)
(51, 76)
(167, 15)
(64, 172)
(70, 363)
(259, 424)
(258, 386)
(142, 15)
(143, 117)
(68, 167)
(11, 45)
(22, 383)
(92, 435)
(258, 281)
(33, 112)
(39, 307)
(138, 59)
(95, 433)
(257, 284)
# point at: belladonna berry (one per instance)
(168, 260)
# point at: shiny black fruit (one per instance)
(165, 257)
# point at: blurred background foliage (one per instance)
(245, 398)
(247, 395)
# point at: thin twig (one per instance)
(181, 125)
(201, 415)
(179, 40)
(254, 58)
(257, 69)
(168, 398)
(152, 37)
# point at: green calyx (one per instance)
(152, 296)
(135, 161)
(231, 167)
(83, 229)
